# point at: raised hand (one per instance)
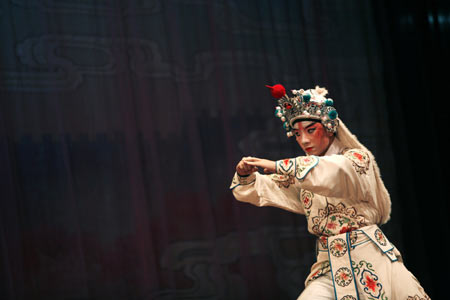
(244, 169)
(267, 165)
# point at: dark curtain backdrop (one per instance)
(121, 123)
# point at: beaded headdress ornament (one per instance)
(304, 105)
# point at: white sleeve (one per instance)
(268, 190)
(343, 176)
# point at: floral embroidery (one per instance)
(348, 297)
(331, 225)
(360, 160)
(304, 164)
(380, 237)
(343, 276)
(299, 166)
(370, 281)
(357, 267)
(307, 197)
(336, 219)
(285, 166)
(282, 180)
(353, 237)
(324, 268)
(346, 229)
(323, 240)
(338, 247)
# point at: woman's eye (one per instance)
(297, 133)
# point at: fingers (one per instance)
(250, 159)
(243, 168)
(253, 161)
(250, 164)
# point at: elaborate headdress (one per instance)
(304, 105)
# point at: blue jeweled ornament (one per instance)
(329, 102)
(332, 114)
(306, 97)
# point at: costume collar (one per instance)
(335, 148)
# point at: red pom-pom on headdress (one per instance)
(277, 90)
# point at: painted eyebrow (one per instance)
(314, 123)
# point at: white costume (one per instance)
(344, 200)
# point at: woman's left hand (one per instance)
(267, 165)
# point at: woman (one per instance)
(338, 187)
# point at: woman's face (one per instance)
(312, 137)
